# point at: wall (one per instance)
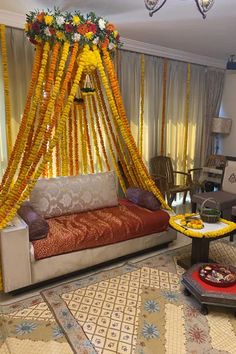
(228, 109)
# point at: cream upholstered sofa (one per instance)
(54, 197)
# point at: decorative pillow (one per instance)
(38, 227)
(67, 195)
(143, 198)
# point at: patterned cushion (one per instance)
(143, 198)
(66, 195)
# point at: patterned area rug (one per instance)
(135, 308)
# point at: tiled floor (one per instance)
(179, 242)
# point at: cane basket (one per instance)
(210, 215)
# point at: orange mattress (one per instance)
(98, 228)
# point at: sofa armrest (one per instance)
(15, 255)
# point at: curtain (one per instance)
(20, 58)
(179, 99)
(214, 91)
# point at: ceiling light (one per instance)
(155, 5)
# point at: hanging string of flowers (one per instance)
(20, 136)
(118, 145)
(53, 25)
(142, 81)
(9, 209)
(6, 87)
(94, 134)
(30, 118)
(100, 133)
(144, 177)
(75, 140)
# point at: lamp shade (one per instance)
(221, 125)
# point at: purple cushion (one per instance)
(38, 226)
(143, 198)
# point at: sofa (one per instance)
(84, 224)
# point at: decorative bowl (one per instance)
(217, 274)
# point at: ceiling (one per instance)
(178, 25)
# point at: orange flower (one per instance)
(110, 27)
(105, 43)
(40, 16)
(82, 29)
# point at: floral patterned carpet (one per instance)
(135, 308)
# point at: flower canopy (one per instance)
(53, 25)
(74, 119)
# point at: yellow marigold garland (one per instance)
(92, 124)
(34, 155)
(71, 143)
(75, 140)
(231, 226)
(6, 87)
(22, 130)
(121, 153)
(100, 133)
(82, 140)
(142, 81)
(87, 139)
(144, 177)
(11, 212)
(30, 119)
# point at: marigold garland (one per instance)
(71, 143)
(92, 124)
(12, 207)
(87, 139)
(75, 140)
(22, 130)
(100, 133)
(36, 152)
(144, 178)
(6, 87)
(83, 141)
(121, 153)
(142, 81)
(30, 119)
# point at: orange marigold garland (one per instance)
(6, 87)
(100, 133)
(22, 130)
(123, 124)
(121, 153)
(9, 210)
(30, 119)
(92, 124)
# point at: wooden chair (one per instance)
(165, 177)
(226, 197)
(200, 177)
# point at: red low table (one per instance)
(207, 294)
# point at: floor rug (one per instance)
(137, 308)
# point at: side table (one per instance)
(201, 238)
(207, 294)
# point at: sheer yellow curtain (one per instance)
(20, 58)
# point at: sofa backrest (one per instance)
(66, 195)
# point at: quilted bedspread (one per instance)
(99, 227)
